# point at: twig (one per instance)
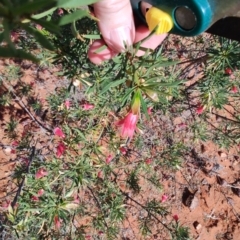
(149, 212)
(23, 180)
(99, 206)
(23, 106)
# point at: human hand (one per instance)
(118, 29)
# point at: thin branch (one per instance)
(99, 205)
(149, 212)
(23, 180)
(23, 106)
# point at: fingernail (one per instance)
(121, 38)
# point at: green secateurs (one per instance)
(184, 17)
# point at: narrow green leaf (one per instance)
(126, 96)
(1, 36)
(103, 47)
(16, 53)
(80, 134)
(33, 6)
(3, 11)
(73, 17)
(49, 26)
(92, 36)
(74, 3)
(151, 84)
(43, 14)
(112, 84)
(7, 33)
(39, 37)
(161, 64)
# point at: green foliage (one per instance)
(25, 13)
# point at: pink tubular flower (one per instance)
(13, 151)
(148, 161)
(67, 104)
(39, 27)
(35, 198)
(175, 217)
(109, 158)
(164, 198)
(60, 149)
(15, 143)
(100, 174)
(58, 132)
(6, 204)
(234, 89)
(127, 125)
(228, 71)
(59, 12)
(200, 109)
(149, 110)
(57, 222)
(40, 192)
(123, 150)
(76, 199)
(87, 106)
(25, 161)
(41, 173)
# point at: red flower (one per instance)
(175, 217)
(15, 143)
(200, 109)
(128, 125)
(41, 173)
(76, 199)
(100, 174)
(39, 27)
(123, 150)
(228, 71)
(60, 12)
(67, 104)
(148, 161)
(60, 149)
(164, 198)
(87, 106)
(6, 204)
(13, 151)
(109, 158)
(234, 89)
(149, 110)
(57, 222)
(35, 198)
(40, 192)
(25, 161)
(58, 132)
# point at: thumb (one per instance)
(115, 23)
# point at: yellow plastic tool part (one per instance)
(158, 19)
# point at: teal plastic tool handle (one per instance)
(191, 17)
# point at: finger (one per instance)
(153, 42)
(98, 58)
(115, 23)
